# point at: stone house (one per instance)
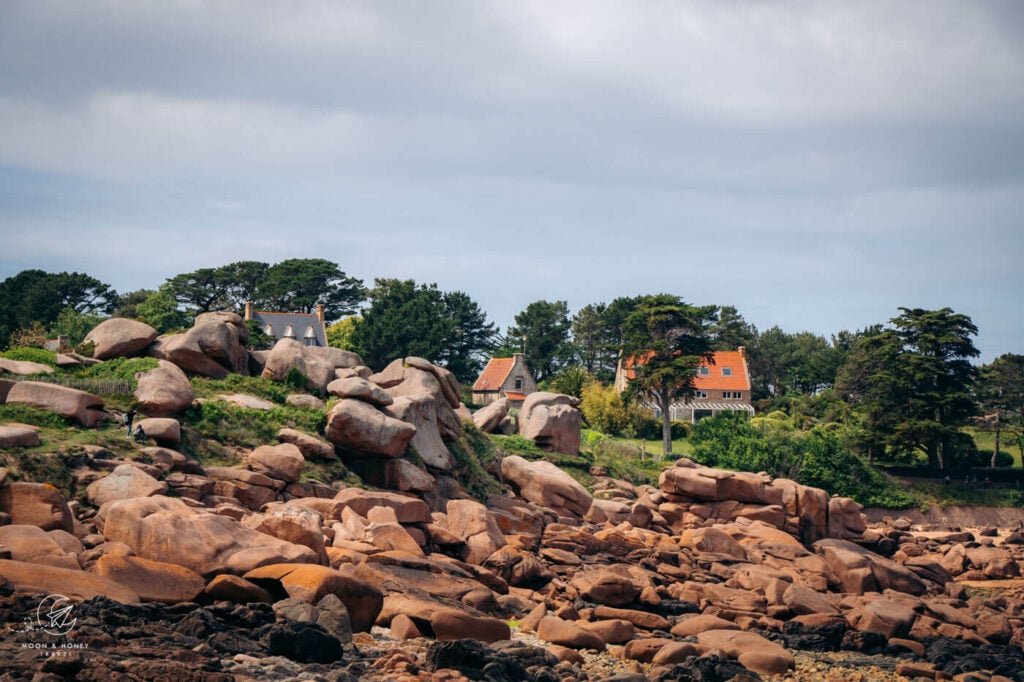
(504, 378)
(723, 384)
(307, 328)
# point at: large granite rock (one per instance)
(36, 504)
(13, 435)
(489, 418)
(288, 354)
(23, 367)
(74, 584)
(283, 462)
(358, 426)
(123, 483)
(421, 410)
(120, 338)
(166, 529)
(545, 484)
(84, 408)
(214, 347)
(164, 391)
(552, 421)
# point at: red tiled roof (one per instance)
(515, 396)
(494, 374)
(715, 380)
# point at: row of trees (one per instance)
(911, 382)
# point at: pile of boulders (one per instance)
(710, 568)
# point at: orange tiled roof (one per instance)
(715, 380)
(511, 395)
(494, 374)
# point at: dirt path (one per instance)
(1003, 517)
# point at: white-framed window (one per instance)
(705, 371)
(727, 371)
(701, 394)
(727, 394)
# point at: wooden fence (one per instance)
(94, 386)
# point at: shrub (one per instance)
(30, 354)
(123, 369)
(820, 457)
(13, 412)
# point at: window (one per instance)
(701, 394)
(727, 394)
(519, 384)
(727, 371)
(705, 371)
(310, 341)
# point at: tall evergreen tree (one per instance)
(299, 284)
(916, 379)
(665, 341)
(542, 331)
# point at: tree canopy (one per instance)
(39, 296)
(542, 332)
(405, 318)
(665, 341)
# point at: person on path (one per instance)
(129, 417)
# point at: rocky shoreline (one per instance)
(164, 568)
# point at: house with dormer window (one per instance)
(721, 384)
(504, 378)
(308, 329)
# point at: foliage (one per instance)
(32, 336)
(729, 331)
(160, 311)
(665, 340)
(299, 284)
(594, 341)
(199, 291)
(33, 416)
(123, 369)
(341, 334)
(405, 318)
(1000, 391)
(127, 303)
(258, 339)
(473, 453)
(37, 296)
(276, 392)
(820, 457)
(219, 421)
(571, 381)
(913, 382)
(542, 332)
(470, 337)
(604, 410)
(74, 325)
(30, 354)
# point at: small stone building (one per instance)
(306, 328)
(504, 378)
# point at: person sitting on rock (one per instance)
(140, 435)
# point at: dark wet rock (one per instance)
(703, 669)
(864, 641)
(955, 656)
(475, 660)
(305, 642)
(797, 635)
(674, 607)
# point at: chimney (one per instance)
(248, 310)
(743, 352)
(320, 313)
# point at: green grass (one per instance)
(986, 440)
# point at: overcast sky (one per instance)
(815, 164)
